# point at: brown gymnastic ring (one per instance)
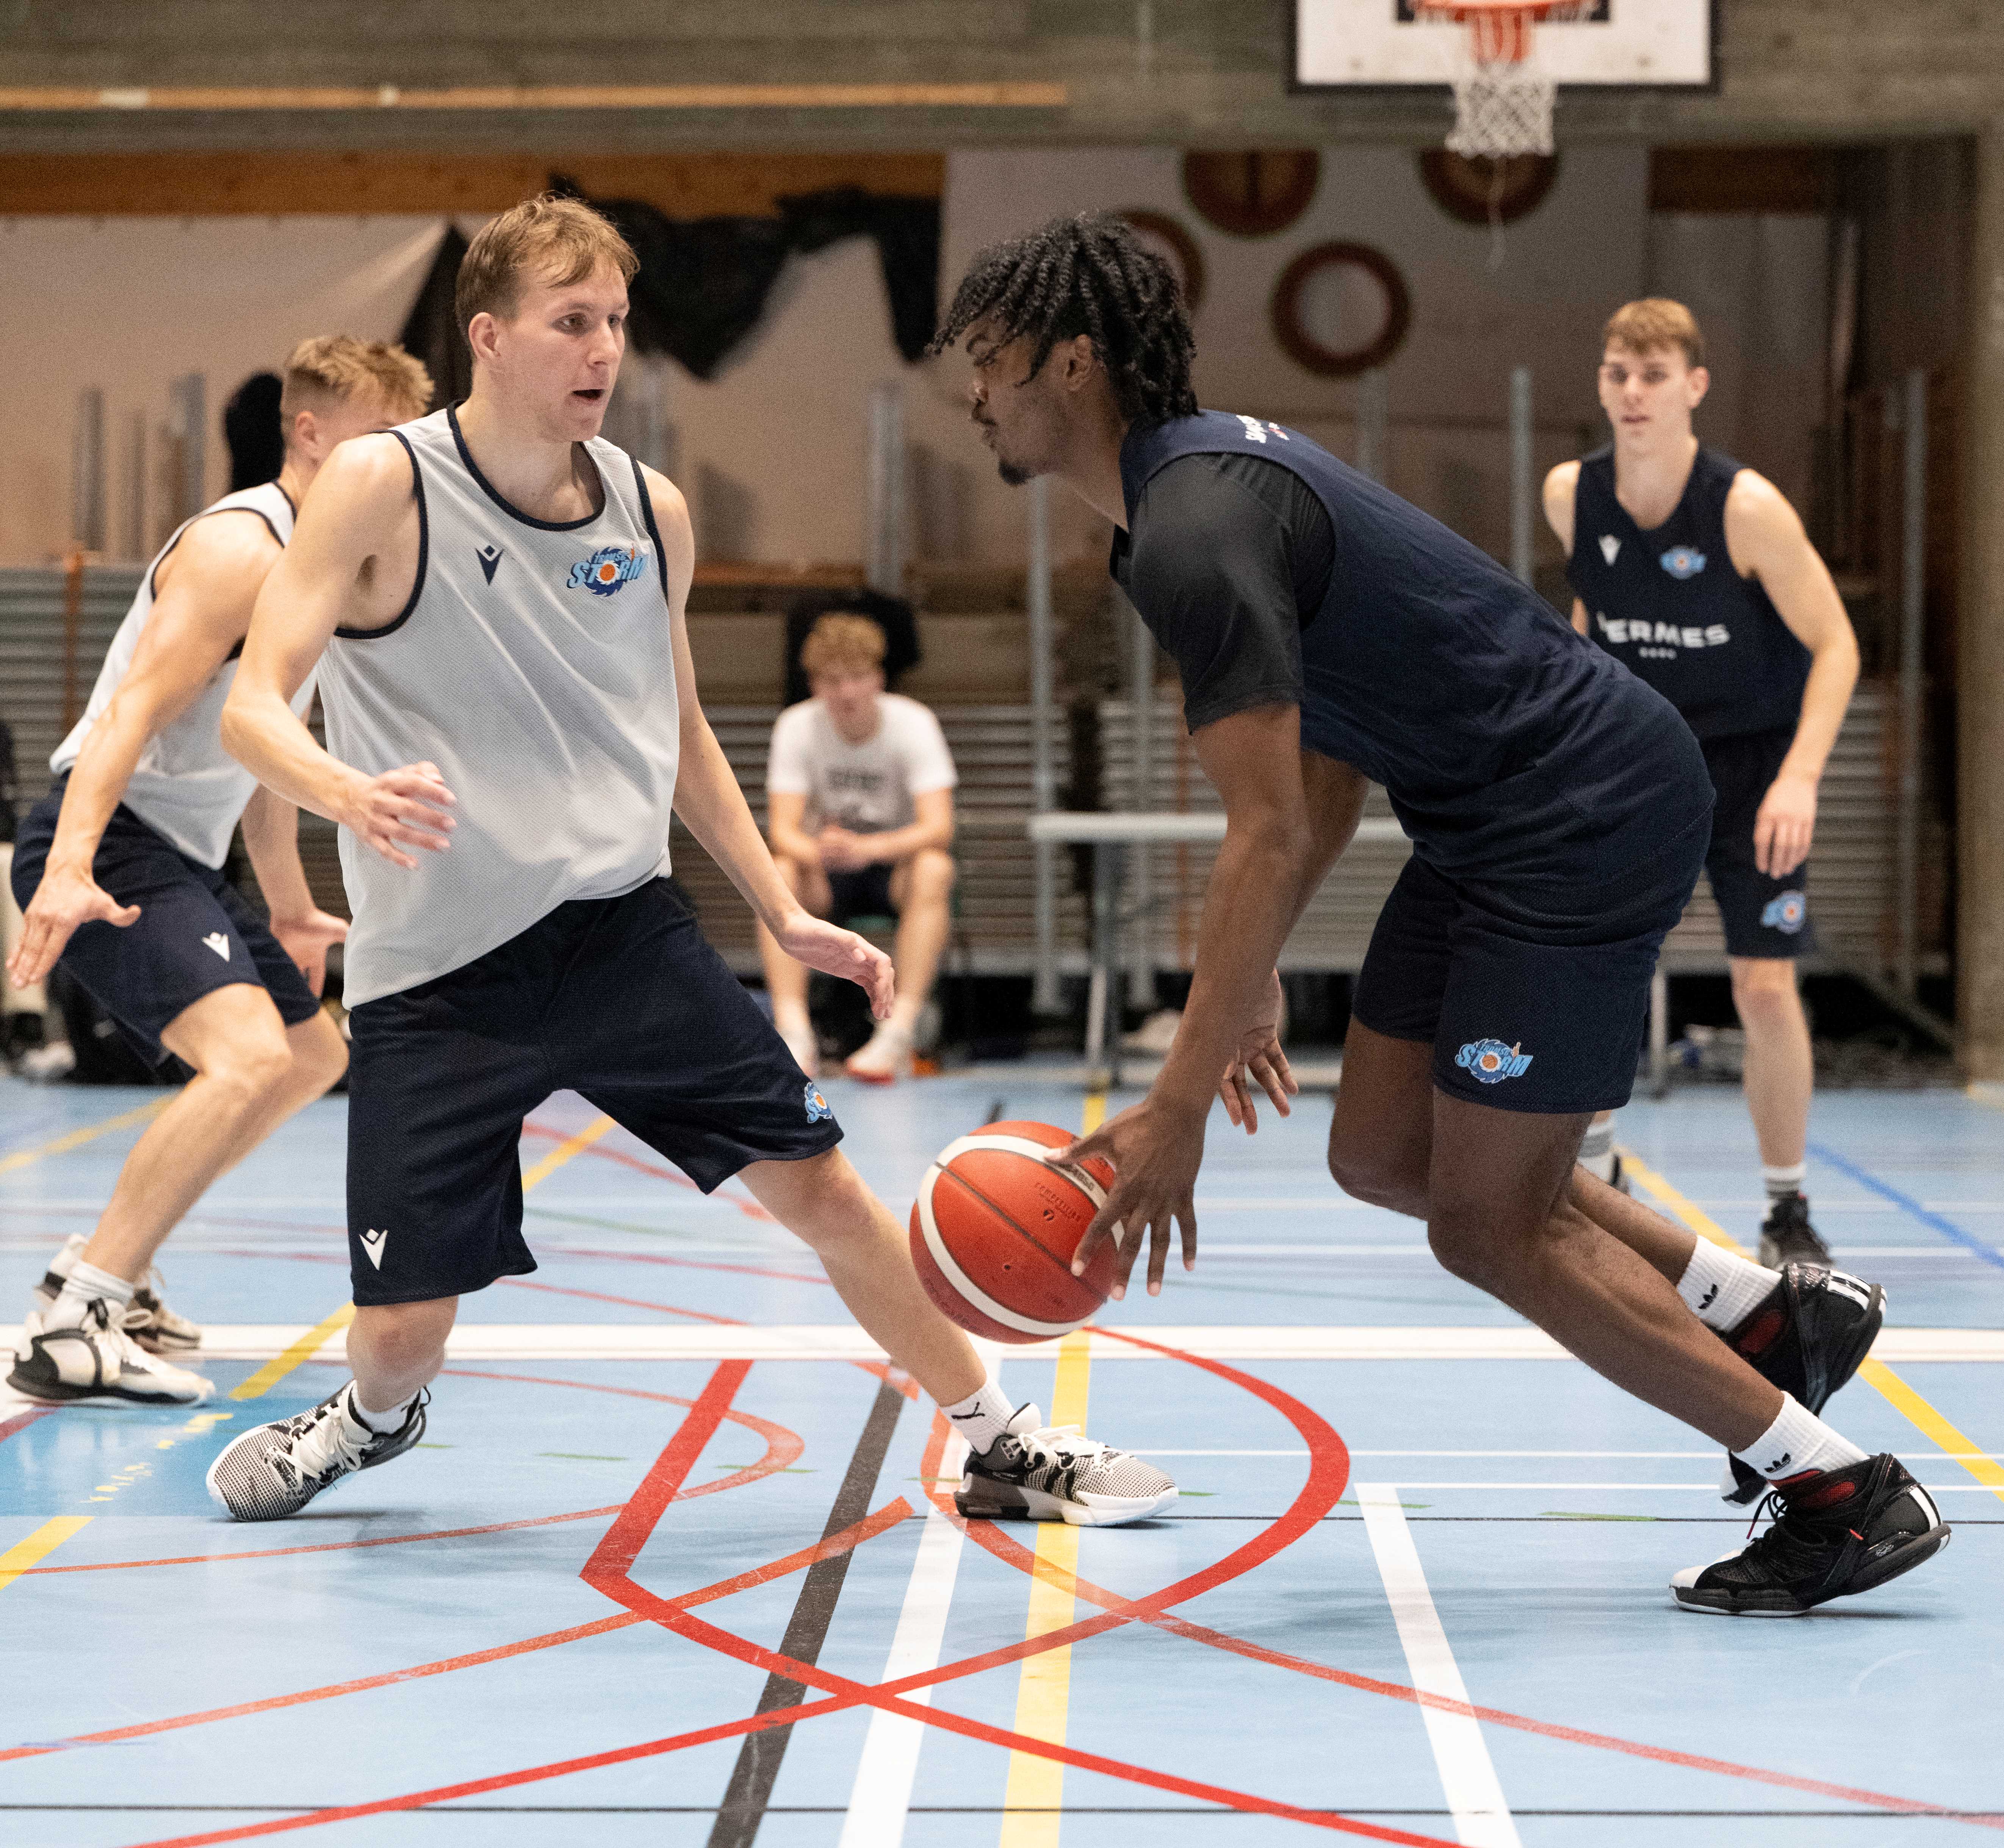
(1303, 348)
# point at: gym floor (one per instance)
(662, 1475)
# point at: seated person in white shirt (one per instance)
(859, 796)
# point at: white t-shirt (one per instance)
(867, 788)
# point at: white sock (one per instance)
(983, 1416)
(1781, 1182)
(85, 1284)
(379, 1421)
(1797, 1443)
(1596, 1150)
(1722, 1288)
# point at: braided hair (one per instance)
(1087, 274)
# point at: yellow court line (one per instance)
(1896, 1392)
(1033, 1803)
(564, 1151)
(38, 1546)
(1992, 1094)
(297, 1354)
(76, 1138)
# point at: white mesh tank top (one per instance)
(187, 788)
(533, 665)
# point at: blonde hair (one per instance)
(842, 644)
(1655, 321)
(331, 368)
(563, 238)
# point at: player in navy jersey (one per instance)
(1697, 575)
(1328, 633)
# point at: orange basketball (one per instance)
(994, 1228)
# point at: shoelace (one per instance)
(326, 1443)
(1790, 1553)
(1056, 1443)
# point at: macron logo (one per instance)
(220, 943)
(489, 557)
(372, 1243)
(1609, 546)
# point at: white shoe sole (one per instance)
(1107, 1513)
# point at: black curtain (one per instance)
(251, 428)
(432, 334)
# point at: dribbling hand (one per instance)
(400, 809)
(1156, 1150)
(834, 951)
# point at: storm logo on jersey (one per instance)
(1683, 562)
(1789, 913)
(1491, 1061)
(608, 570)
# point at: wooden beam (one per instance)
(221, 184)
(1743, 179)
(641, 95)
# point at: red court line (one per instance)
(22, 1420)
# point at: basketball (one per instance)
(994, 1228)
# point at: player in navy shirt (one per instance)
(1328, 633)
(1696, 573)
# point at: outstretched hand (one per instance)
(1260, 1059)
(1156, 1150)
(65, 899)
(400, 809)
(834, 951)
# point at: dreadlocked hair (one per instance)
(1087, 274)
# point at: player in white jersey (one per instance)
(493, 599)
(119, 875)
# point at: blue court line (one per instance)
(1947, 1227)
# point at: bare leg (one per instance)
(921, 889)
(823, 1201)
(251, 1073)
(1780, 1067)
(1492, 1189)
(394, 1348)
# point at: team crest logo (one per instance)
(1683, 562)
(1611, 547)
(1789, 913)
(608, 570)
(1491, 1061)
(817, 1105)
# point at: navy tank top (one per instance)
(1669, 605)
(1509, 747)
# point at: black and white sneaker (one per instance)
(148, 1321)
(1809, 1338)
(1035, 1472)
(1619, 1180)
(98, 1363)
(1787, 1236)
(273, 1471)
(1837, 1532)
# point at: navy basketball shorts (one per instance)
(865, 892)
(195, 932)
(1534, 999)
(619, 999)
(1764, 918)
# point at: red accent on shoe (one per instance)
(1756, 1337)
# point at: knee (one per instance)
(404, 1336)
(1378, 1176)
(1468, 1242)
(821, 1201)
(932, 875)
(251, 1066)
(319, 1056)
(1764, 990)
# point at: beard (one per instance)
(1014, 474)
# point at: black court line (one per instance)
(995, 1110)
(750, 1792)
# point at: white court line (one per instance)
(881, 1797)
(1481, 1817)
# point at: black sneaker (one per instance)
(1788, 1237)
(1809, 1338)
(273, 1471)
(1838, 1532)
(1035, 1472)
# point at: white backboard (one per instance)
(1618, 44)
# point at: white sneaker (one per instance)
(148, 1319)
(887, 1058)
(98, 1361)
(1035, 1471)
(800, 1041)
(274, 1469)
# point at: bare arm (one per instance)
(786, 817)
(271, 839)
(332, 575)
(206, 586)
(1768, 543)
(1561, 496)
(713, 807)
(931, 826)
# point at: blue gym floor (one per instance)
(557, 1622)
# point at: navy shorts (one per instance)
(619, 999)
(195, 932)
(1534, 1000)
(1762, 917)
(866, 892)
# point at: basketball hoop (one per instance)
(1502, 98)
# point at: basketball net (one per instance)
(1503, 99)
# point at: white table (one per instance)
(1109, 836)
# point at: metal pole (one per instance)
(132, 521)
(1913, 613)
(188, 421)
(87, 471)
(1659, 1033)
(1141, 799)
(1043, 730)
(1374, 423)
(885, 540)
(1520, 472)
